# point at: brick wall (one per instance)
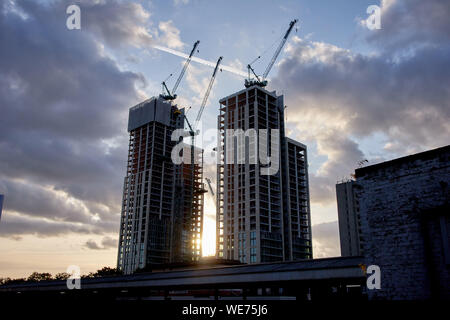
(404, 206)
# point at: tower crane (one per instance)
(195, 190)
(170, 95)
(261, 81)
(192, 130)
(210, 187)
(208, 91)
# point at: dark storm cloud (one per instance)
(63, 117)
(401, 91)
(370, 94)
(412, 23)
(91, 244)
(15, 226)
(107, 243)
(38, 201)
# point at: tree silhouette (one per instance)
(36, 276)
(62, 276)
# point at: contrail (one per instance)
(202, 61)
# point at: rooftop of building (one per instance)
(271, 93)
(290, 140)
(152, 109)
(145, 102)
(360, 172)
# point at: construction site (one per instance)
(224, 159)
(163, 202)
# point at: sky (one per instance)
(351, 94)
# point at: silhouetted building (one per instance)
(296, 208)
(349, 219)
(162, 214)
(404, 208)
(262, 208)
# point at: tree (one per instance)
(62, 276)
(107, 272)
(12, 281)
(36, 276)
(87, 276)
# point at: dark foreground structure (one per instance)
(262, 215)
(162, 207)
(405, 224)
(319, 279)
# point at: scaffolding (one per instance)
(162, 205)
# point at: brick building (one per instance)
(405, 218)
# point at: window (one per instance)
(253, 239)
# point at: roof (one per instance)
(273, 93)
(410, 158)
(302, 270)
(297, 143)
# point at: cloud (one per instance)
(343, 155)
(117, 23)
(197, 78)
(413, 23)
(107, 243)
(326, 240)
(180, 2)
(91, 244)
(171, 35)
(64, 112)
(337, 97)
(15, 225)
(40, 201)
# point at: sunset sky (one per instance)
(351, 94)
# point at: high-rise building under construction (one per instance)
(162, 207)
(261, 217)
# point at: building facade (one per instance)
(349, 219)
(296, 208)
(254, 221)
(404, 208)
(162, 212)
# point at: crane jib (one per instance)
(262, 82)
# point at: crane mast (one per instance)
(192, 133)
(208, 91)
(277, 52)
(192, 129)
(209, 184)
(263, 82)
(167, 95)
